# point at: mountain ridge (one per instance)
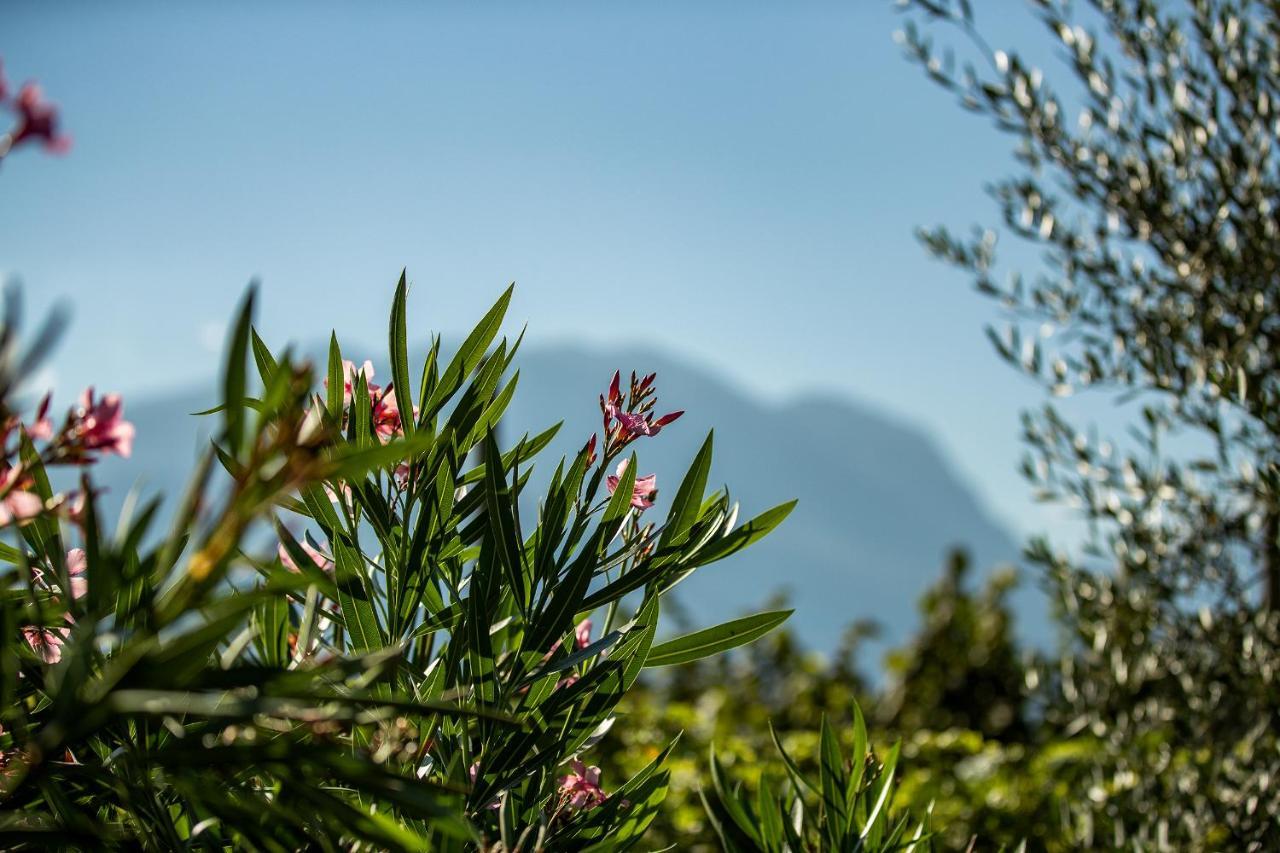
(880, 505)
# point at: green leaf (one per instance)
(834, 785)
(271, 620)
(684, 509)
(262, 356)
(234, 378)
(885, 785)
(467, 357)
(797, 778)
(356, 599)
(337, 381)
(399, 350)
(749, 533)
(710, 641)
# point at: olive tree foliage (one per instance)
(1147, 181)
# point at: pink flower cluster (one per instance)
(386, 409)
(37, 119)
(581, 788)
(92, 429)
(628, 418)
(95, 427)
(98, 427)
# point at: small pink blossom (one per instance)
(46, 642)
(320, 558)
(581, 788)
(581, 639)
(38, 121)
(582, 633)
(402, 472)
(41, 429)
(351, 375)
(17, 505)
(77, 562)
(386, 415)
(99, 426)
(638, 425)
(644, 491)
(627, 417)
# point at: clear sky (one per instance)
(735, 183)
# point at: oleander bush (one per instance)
(352, 634)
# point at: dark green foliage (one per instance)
(847, 806)
(764, 709)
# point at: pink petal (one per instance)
(24, 505)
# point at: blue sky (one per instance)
(734, 183)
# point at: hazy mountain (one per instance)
(879, 506)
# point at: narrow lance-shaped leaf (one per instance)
(398, 345)
(234, 378)
(688, 499)
(710, 641)
(746, 535)
(467, 357)
(336, 380)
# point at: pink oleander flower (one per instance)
(17, 505)
(320, 558)
(386, 415)
(590, 449)
(581, 788)
(638, 425)
(386, 407)
(77, 562)
(41, 429)
(627, 417)
(581, 639)
(99, 426)
(582, 633)
(351, 375)
(644, 491)
(46, 642)
(38, 121)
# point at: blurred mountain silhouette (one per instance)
(879, 505)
